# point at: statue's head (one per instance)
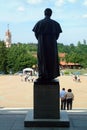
(48, 12)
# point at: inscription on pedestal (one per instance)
(46, 100)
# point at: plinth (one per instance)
(46, 112)
(46, 100)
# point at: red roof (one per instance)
(64, 63)
(62, 55)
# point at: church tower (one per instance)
(8, 37)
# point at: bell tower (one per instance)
(8, 37)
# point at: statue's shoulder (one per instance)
(40, 21)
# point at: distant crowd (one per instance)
(28, 76)
(76, 78)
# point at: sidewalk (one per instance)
(13, 119)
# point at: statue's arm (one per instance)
(35, 30)
(57, 36)
(58, 31)
(36, 35)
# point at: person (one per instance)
(78, 78)
(69, 99)
(75, 78)
(47, 32)
(63, 99)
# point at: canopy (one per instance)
(27, 70)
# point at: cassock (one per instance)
(47, 32)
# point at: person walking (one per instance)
(63, 99)
(69, 99)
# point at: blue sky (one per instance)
(22, 15)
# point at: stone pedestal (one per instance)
(46, 100)
(46, 112)
(31, 122)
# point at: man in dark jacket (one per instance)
(47, 32)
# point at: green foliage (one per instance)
(17, 57)
(75, 71)
(21, 55)
(3, 57)
(66, 72)
(75, 54)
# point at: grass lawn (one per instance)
(75, 71)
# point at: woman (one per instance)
(69, 99)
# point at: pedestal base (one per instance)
(46, 100)
(31, 122)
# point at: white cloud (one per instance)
(62, 2)
(85, 3)
(21, 8)
(85, 16)
(72, 1)
(34, 1)
(59, 2)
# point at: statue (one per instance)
(47, 32)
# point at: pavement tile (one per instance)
(14, 120)
(79, 121)
(70, 128)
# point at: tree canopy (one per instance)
(22, 55)
(75, 53)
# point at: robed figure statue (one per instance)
(47, 32)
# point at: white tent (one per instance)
(27, 70)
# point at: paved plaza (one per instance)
(16, 99)
(13, 119)
(16, 93)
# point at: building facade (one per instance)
(8, 38)
(64, 64)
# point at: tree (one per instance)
(19, 57)
(3, 57)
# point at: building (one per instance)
(64, 64)
(8, 38)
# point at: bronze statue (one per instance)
(47, 32)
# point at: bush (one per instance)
(66, 72)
